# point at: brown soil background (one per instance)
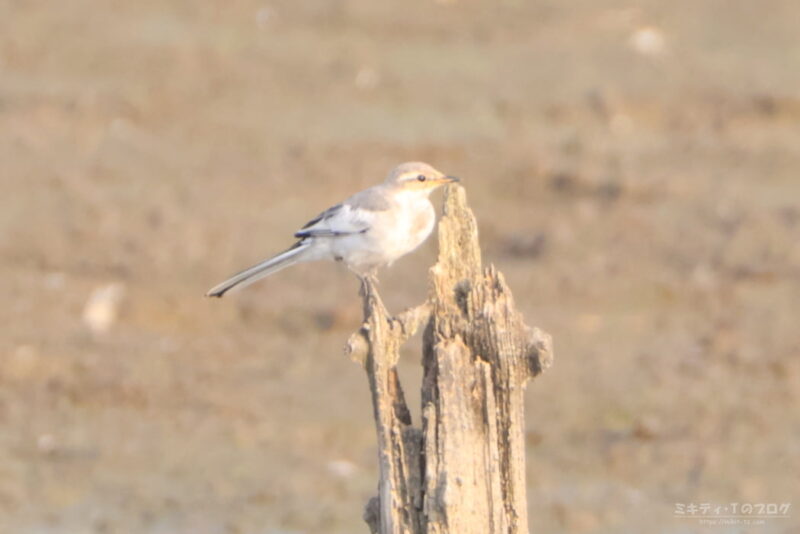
(645, 209)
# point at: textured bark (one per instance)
(464, 472)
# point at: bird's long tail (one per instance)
(260, 270)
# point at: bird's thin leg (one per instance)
(369, 282)
(362, 289)
(372, 281)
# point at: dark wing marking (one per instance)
(322, 216)
(366, 202)
(324, 232)
(309, 229)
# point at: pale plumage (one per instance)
(370, 229)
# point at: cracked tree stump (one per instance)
(463, 471)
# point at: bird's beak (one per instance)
(449, 179)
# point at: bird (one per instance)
(369, 230)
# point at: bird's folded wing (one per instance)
(341, 219)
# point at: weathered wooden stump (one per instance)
(463, 472)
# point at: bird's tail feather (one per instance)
(260, 270)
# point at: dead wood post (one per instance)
(463, 471)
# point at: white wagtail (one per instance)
(368, 230)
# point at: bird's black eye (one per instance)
(421, 178)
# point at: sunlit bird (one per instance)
(371, 229)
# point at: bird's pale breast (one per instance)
(414, 225)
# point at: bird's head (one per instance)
(418, 177)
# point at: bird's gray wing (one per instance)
(353, 216)
(321, 217)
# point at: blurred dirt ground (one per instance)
(635, 169)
